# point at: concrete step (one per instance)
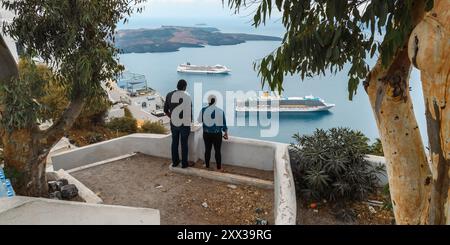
(224, 177)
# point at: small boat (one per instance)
(198, 69)
(276, 103)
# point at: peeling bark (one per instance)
(406, 162)
(429, 49)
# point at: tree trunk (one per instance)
(25, 163)
(25, 150)
(429, 50)
(406, 162)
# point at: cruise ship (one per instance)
(198, 69)
(275, 103)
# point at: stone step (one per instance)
(224, 177)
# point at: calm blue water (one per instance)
(160, 70)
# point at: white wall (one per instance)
(7, 16)
(236, 151)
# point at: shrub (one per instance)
(123, 124)
(94, 137)
(127, 112)
(331, 165)
(376, 148)
(153, 128)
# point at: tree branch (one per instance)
(56, 131)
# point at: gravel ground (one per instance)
(145, 181)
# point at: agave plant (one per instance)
(331, 165)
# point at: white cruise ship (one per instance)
(198, 69)
(275, 103)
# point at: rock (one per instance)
(158, 186)
(52, 186)
(232, 186)
(63, 182)
(55, 195)
(261, 221)
(372, 210)
(316, 211)
(205, 205)
(69, 191)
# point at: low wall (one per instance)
(284, 187)
(235, 151)
(376, 161)
(241, 152)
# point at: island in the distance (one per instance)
(172, 38)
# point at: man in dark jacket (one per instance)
(178, 106)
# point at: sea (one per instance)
(161, 74)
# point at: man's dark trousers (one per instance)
(180, 134)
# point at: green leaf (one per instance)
(429, 5)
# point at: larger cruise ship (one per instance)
(275, 103)
(199, 69)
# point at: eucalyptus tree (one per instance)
(325, 35)
(76, 39)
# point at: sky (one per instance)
(185, 9)
(210, 12)
(192, 9)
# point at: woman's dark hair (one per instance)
(212, 100)
(182, 84)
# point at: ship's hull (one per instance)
(195, 69)
(203, 72)
(285, 110)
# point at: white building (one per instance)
(7, 16)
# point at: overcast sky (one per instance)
(191, 9)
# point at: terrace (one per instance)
(134, 171)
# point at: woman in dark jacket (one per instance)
(214, 124)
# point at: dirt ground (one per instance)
(324, 215)
(145, 181)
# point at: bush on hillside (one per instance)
(331, 165)
(123, 124)
(153, 128)
(127, 112)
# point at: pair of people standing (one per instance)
(178, 107)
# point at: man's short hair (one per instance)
(182, 84)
